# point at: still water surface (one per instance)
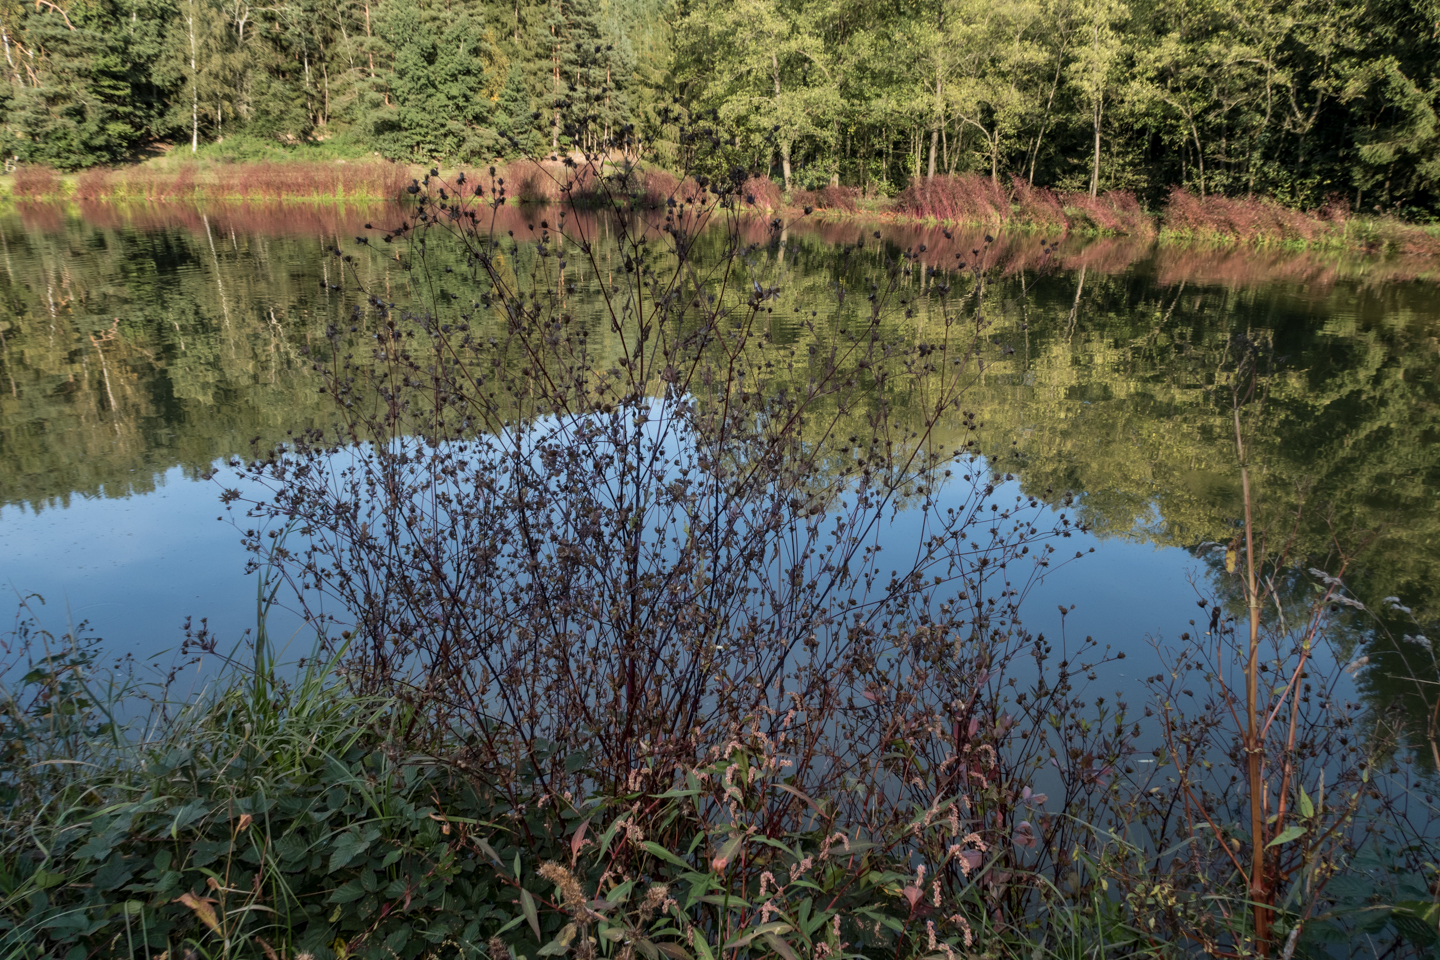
(141, 346)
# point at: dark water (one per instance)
(139, 347)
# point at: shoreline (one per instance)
(966, 201)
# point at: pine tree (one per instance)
(512, 118)
(71, 100)
(583, 64)
(400, 130)
(461, 78)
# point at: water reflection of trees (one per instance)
(135, 341)
(1110, 398)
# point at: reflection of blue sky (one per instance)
(136, 566)
(1125, 593)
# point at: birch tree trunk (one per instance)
(194, 83)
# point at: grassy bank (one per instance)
(977, 201)
(366, 180)
(208, 180)
(959, 200)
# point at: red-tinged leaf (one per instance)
(802, 795)
(577, 841)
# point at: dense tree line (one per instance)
(1301, 99)
(96, 81)
(1305, 100)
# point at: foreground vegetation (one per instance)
(248, 816)
(630, 664)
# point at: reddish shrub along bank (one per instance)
(1410, 241)
(246, 181)
(532, 181)
(95, 184)
(829, 197)
(1114, 211)
(1250, 219)
(971, 198)
(764, 190)
(280, 180)
(804, 199)
(1009, 251)
(1038, 205)
(657, 186)
(840, 198)
(966, 198)
(34, 182)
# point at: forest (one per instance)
(1310, 102)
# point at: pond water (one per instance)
(139, 347)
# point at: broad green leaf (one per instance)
(780, 947)
(560, 944)
(527, 903)
(773, 928)
(347, 847)
(347, 892)
(488, 850)
(656, 850)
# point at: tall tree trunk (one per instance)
(1096, 112)
(1045, 119)
(309, 105)
(5, 33)
(1199, 154)
(784, 143)
(370, 44)
(555, 62)
(889, 158)
(194, 84)
(935, 131)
